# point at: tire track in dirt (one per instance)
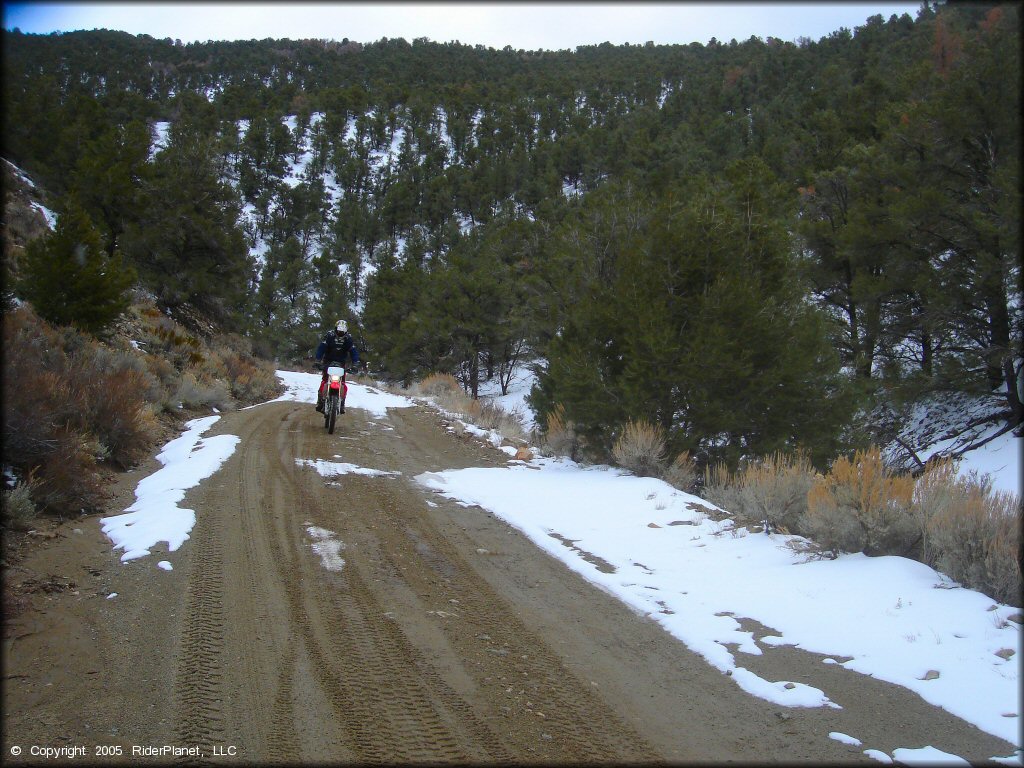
(370, 670)
(282, 744)
(556, 707)
(557, 718)
(198, 690)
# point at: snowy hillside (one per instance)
(958, 425)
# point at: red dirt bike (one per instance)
(333, 390)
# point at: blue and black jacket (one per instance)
(335, 348)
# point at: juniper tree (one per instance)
(70, 279)
(691, 315)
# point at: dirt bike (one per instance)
(334, 397)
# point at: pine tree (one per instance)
(187, 244)
(108, 176)
(690, 314)
(70, 279)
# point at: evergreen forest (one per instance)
(750, 244)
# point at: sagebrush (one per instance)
(860, 506)
(682, 473)
(640, 448)
(955, 523)
(68, 405)
(970, 532)
(73, 405)
(771, 491)
(560, 434)
(18, 507)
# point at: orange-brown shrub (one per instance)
(859, 506)
(69, 482)
(118, 415)
(439, 384)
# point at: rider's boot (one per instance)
(319, 404)
(343, 405)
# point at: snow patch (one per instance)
(155, 516)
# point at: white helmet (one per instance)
(342, 326)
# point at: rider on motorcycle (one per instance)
(335, 347)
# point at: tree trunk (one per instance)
(999, 334)
(927, 353)
(1010, 376)
(474, 376)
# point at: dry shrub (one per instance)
(19, 510)
(457, 401)
(198, 391)
(449, 395)
(490, 416)
(1002, 526)
(68, 403)
(971, 533)
(720, 488)
(934, 493)
(560, 433)
(439, 385)
(164, 382)
(69, 482)
(641, 448)
(250, 380)
(681, 474)
(861, 507)
(119, 417)
(164, 337)
(771, 491)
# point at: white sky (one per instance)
(529, 26)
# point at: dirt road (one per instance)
(362, 619)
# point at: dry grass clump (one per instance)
(487, 415)
(560, 435)
(682, 473)
(250, 379)
(454, 400)
(18, 508)
(861, 507)
(449, 395)
(771, 491)
(640, 448)
(440, 385)
(969, 532)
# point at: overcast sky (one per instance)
(529, 26)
